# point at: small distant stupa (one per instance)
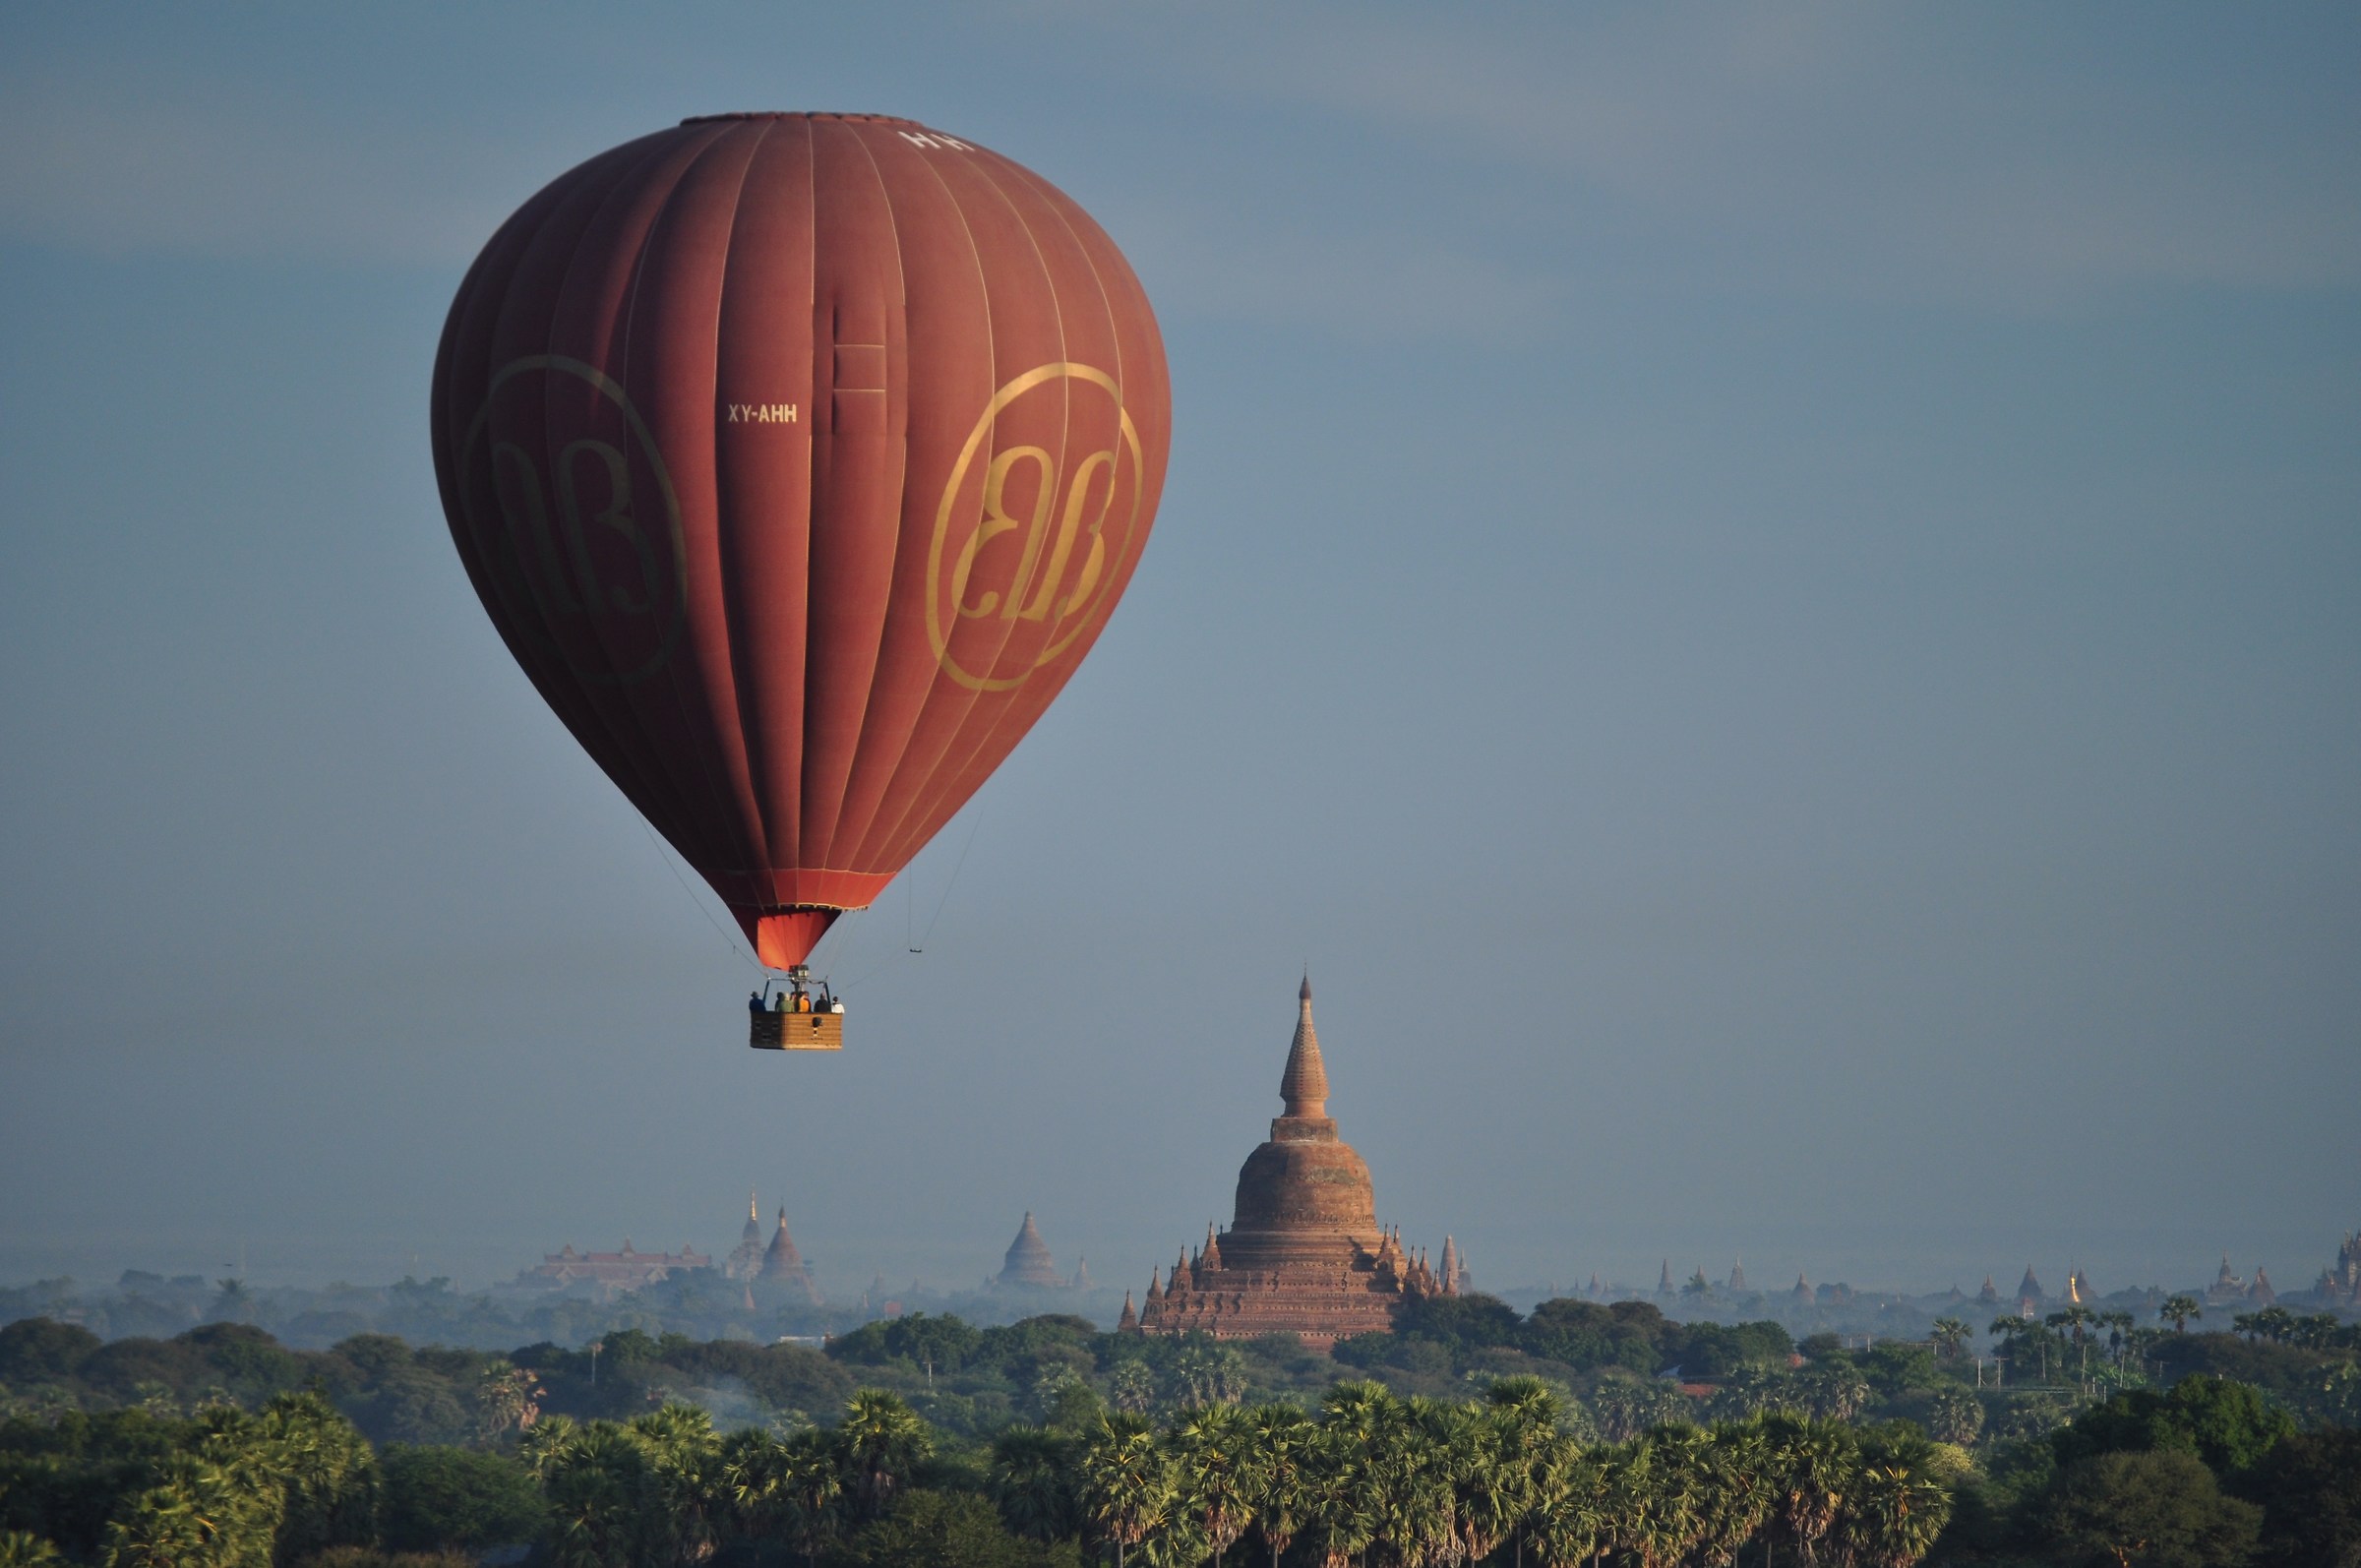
(746, 1259)
(1454, 1272)
(1028, 1264)
(783, 1268)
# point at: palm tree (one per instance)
(541, 1447)
(1209, 1373)
(1212, 1450)
(181, 1521)
(2012, 1333)
(1488, 1455)
(1530, 1401)
(878, 1444)
(2178, 1310)
(1951, 1336)
(1360, 1409)
(2119, 1333)
(1132, 1387)
(2077, 1318)
(1737, 1495)
(1753, 1390)
(1954, 1415)
(1628, 1406)
(510, 1398)
(1126, 1489)
(1893, 1516)
(1569, 1523)
(1835, 1389)
(1030, 1474)
(685, 1458)
(1811, 1469)
(22, 1550)
(1411, 1497)
(1645, 1518)
(329, 1474)
(792, 1487)
(2273, 1323)
(1282, 1437)
(1338, 1487)
(603, 1499)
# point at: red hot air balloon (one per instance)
(798, 460)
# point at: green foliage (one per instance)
(1626, 1406)
(935, 1529)
(371, 1557)
(1444, 1335)
(1893, 1367)
(1033, 1482)
(2286, 1371)
(1559, 1456)
(1588, 1337)
(920, 1339)
(236, 1491)
(2161, 1507)
(787, 1377)
(1950, 1414)
(35, 1349)
(879, 1442)
(440, 1498)
(2311, 1489)
(2229, 1427)
(603, 1495)
(22, 1549)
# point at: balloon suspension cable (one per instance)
(840, 934)
(957, 867)
(736, 947)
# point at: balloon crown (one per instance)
(796, 114)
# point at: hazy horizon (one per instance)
(1770, 601)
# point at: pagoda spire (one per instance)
(1305, 1085)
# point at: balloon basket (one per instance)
(796, 1018)
(796, 1031)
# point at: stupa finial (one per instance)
(1303, 1087)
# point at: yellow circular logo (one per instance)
(1030, 535)
(573, 511)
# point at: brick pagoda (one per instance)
(1303, 1253)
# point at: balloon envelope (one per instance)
(798, 460)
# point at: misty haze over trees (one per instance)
(1476, 1433)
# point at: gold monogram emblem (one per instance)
(1046, 546)
(606, 568)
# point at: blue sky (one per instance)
(1771, 598)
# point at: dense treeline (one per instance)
(2210, 1472)
(1365, 1477)
(925, 1440)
